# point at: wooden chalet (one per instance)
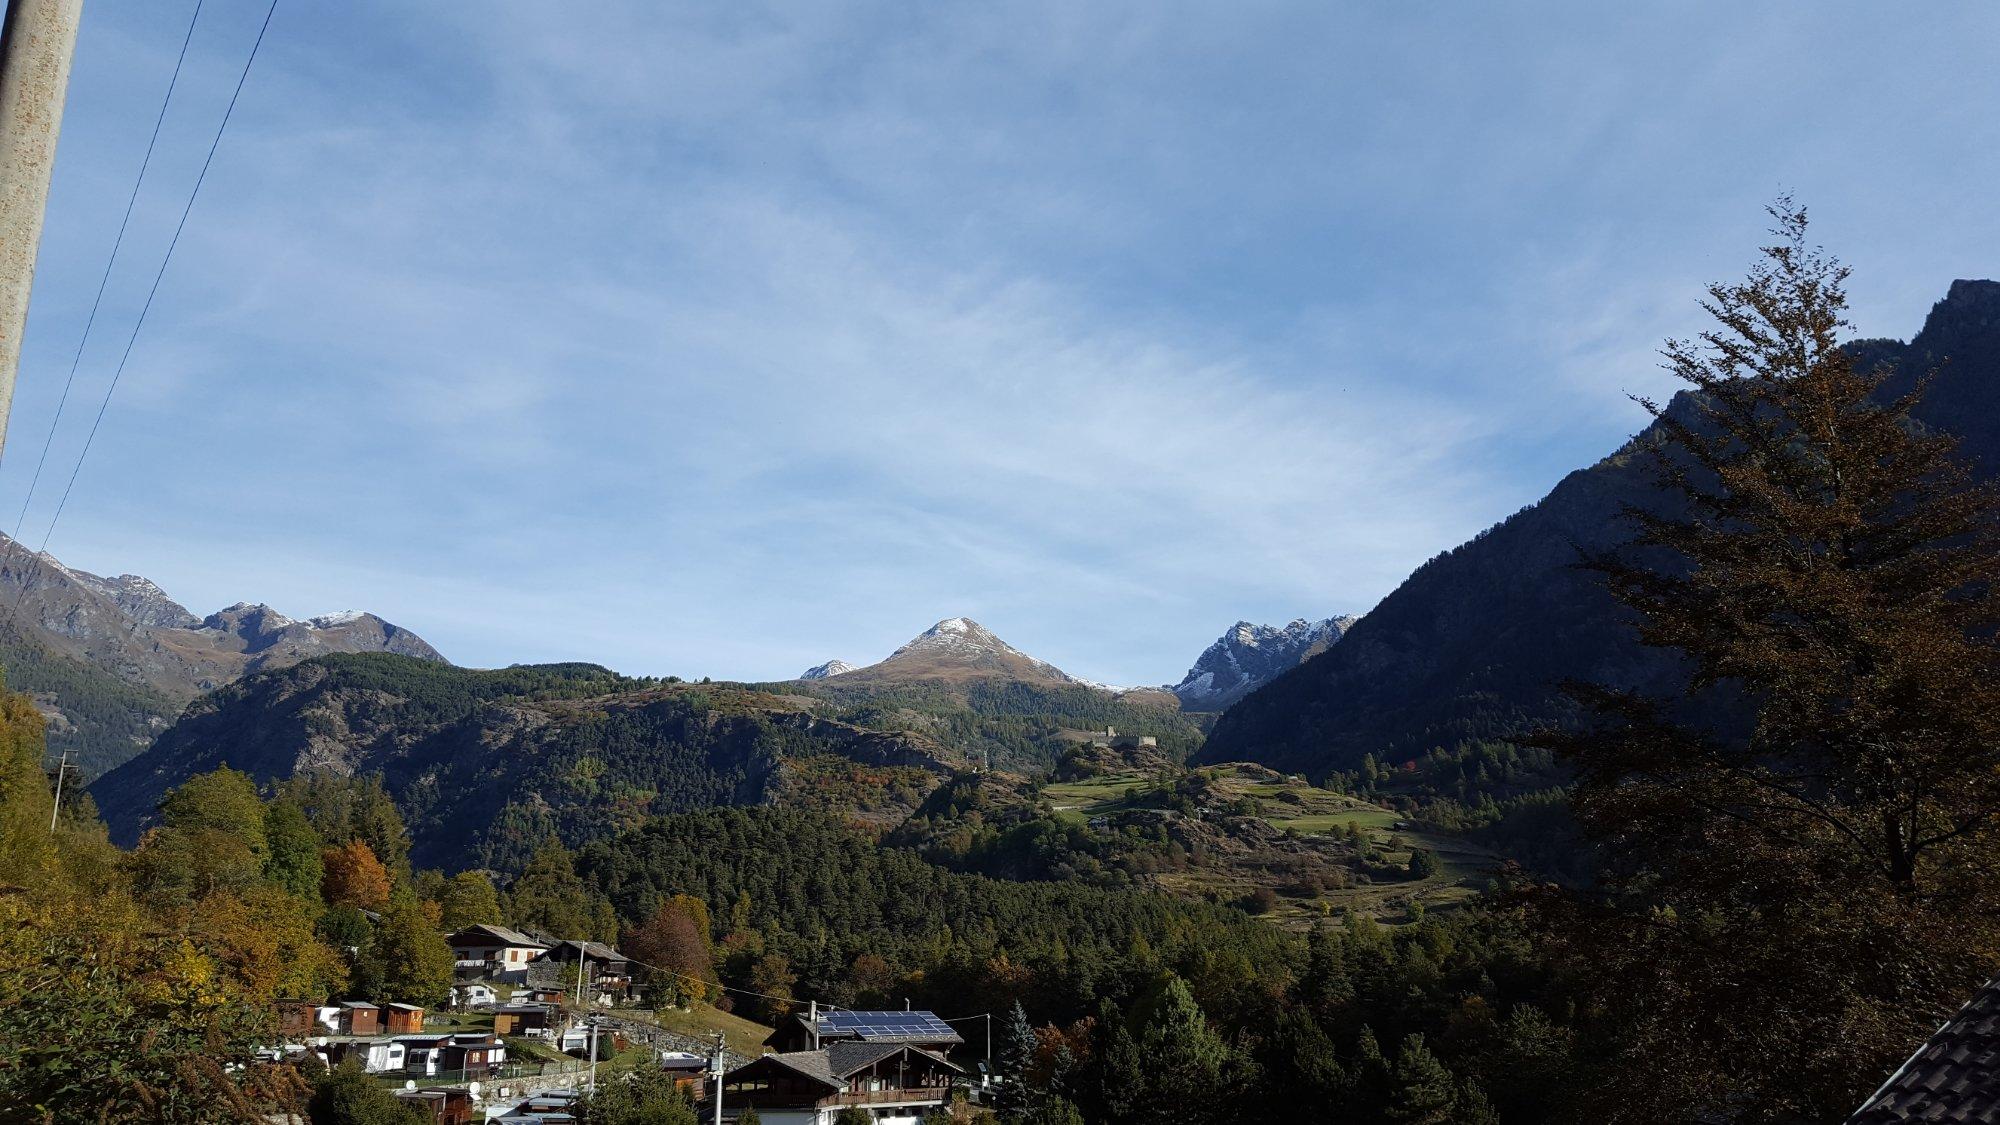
(608, 972)
(892, 1080)
(403, 1019)
(445, 1105)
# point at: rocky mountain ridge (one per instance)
(1472, 645)
(111, 660)
(1249, 656)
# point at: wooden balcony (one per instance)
(906, 1094)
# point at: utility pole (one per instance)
(36, 43)
(715, 1071)
(62, 771)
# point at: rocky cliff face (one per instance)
(112, 660)
(1474, 643)
(484, 763)
(1249, 656)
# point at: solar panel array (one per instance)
(918, 1026)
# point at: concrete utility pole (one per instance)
(36, 43)
(715, 1068)
(62, 771)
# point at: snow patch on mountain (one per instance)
(827, 670)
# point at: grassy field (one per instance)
(1294, 806)
(1095, 795)
(740, 1035)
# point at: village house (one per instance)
(607, 971)
(494, 952)
(895, 1082)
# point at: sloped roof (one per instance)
(497, 933)
(812, 1064)
(566, 948)
(1953, 1079)
(844, 1059)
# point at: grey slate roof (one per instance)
(1953, 1079)
(844, 1059)
(835, 1063)
(502, 934)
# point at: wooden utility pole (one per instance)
(36, 43)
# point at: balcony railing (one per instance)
(901, 1094)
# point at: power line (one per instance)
(200, 178)
(103, 281)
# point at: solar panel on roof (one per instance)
(886, 1025)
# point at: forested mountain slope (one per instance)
(1473, 644)
(486, 764)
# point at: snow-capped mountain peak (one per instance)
(1248, 656)
(827, 670)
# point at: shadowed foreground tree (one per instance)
(1795, 893)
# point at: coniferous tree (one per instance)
(1017, 1056)
(1184, 1059)
(1422, 1089)
(1798, 851)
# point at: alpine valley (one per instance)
(1341, 745)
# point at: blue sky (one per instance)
(726, 339)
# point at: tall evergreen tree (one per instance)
(1017, 1057)
(1183, 1058)
(1799, 885)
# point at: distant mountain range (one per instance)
(111, 661)
(1473, 644)
(1249, 656)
